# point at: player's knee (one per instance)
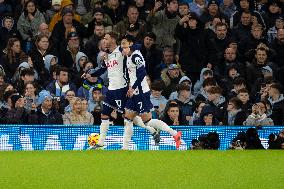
(146, 117)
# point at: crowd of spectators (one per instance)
(208, 62)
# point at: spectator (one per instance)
(29, 22)
(234, 115)
(217, 102)
(5, 8)
(276, 98)
(55, 8)
(171, 77)
(227, 8)
(183, 9)
(122, 27)
(197, 111)
(66, 5)
(15, 114)
(243, 95)
(40, 50)
(64, 102)
(92, 45)
(258, 116)
(45, 114)
(63, 29)
(50, 61)
(204, 74)
(164, 22)
(87, 116)
(185, 102)
(211, 12)
(115, 10)
(242, 30)
(198, 7)
(95, 99)
(26, 75)
(207, 117)
(157, 99)
(193, 50)
(227, 82)
(62, 84)
(74, 117)
(184, 80)
(43, 30)
(273, 12)
(144, 8)
(207, 84)
(172, 115)
(12, 57)
(152, 55)
(30, 95)
(7, 31)
(272, 32)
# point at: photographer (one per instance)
(258, 116)
(276, 142)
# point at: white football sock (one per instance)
(158, 124)
(103, 131)
(128, 132)
(139, 122)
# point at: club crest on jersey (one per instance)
(111, 63)
(136, 59)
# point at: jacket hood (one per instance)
(79, 55)
(24, 65)
(201, 73)
(65, 3)
(281, 98)
(8, 17)
(47, 61)
(184, 78)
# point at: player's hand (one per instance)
(130, 92)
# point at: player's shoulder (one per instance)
(137, 57)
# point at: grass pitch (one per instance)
(141, 169)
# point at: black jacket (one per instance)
(193, 51)
(277, 111)
(39, 118)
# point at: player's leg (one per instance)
(128, 128)
(103, 129)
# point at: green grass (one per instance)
(141, 169)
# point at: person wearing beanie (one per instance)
(55, 8)
(57, 17)
(45, 114)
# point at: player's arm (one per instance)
(140, 70)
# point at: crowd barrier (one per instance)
(39, 137)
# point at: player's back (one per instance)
(116, 70)
(136, 69)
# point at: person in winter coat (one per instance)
(88, 84)
(45, 114)
(193, 50)
(276, 100)
(207, 117)
(75, 117)
(7, 31)
(172, 115)
(157, 99)
(171, 76)
(87, 116)
(184, 79)
(55, 8)
(234, 114)
(204, 74)
(13, 56)
(163, 22)
(258, 117)
(29, 22)
(65, 4)
(207, 84)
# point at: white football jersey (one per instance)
(116, 70)
(134, 62)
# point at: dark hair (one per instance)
(197, 104)
(113, 35)
(209, 82)
(243, 90)
(158, 85)
(208, 72)
(62, 69)
(215, 90)
(182, 87)
(183, 4)
(239, 81)
(35, 86)
(220, 24)
(276, 86)
(237, 102)
(26, 5)
(39, 37)
(27, 71)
